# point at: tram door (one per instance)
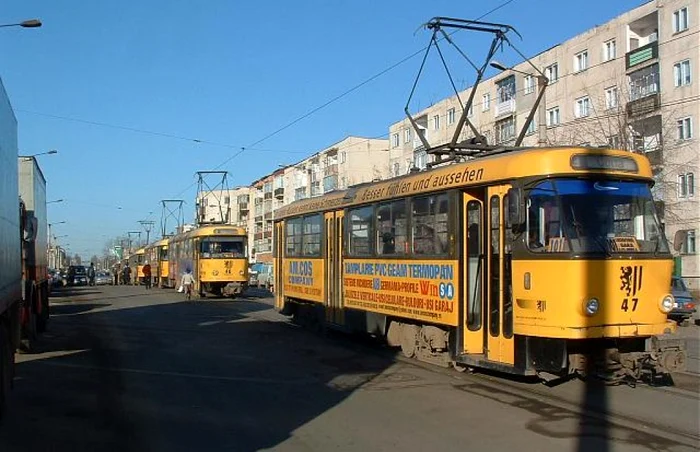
(473, 275)
(498, 294)
(277, 267)
(334, 267)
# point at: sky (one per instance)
(138, 96)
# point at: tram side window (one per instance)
(430, 225)
(543, 223)
(392, 228)
(294, 237)
(507, 273)
(312, 236)
(495, 242)
(360, 231)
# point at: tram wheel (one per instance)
(409, 340)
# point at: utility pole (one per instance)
(147, 226)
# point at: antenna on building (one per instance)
(171, 210)
(213, 198)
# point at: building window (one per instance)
(690, 242)
(609, 50)
(486, 102)
(342, 182)
(681, 73)
(394, 140)
(470, 112)
(611, 97)
(392, 228)
(553, 117)
(420, 159)
(680, 20)
(505, 89)
(686, 185)
(396, 168)
(227, 200)
(343, 157)
(552, 72)
(407, 136)
(685, 129)
(505, 129)
(451, 116)
(614, 141)
(583, 105)
(529, 82)
(360, 231)
(430, 225)
(436, 122)
(531, 128)
(581, 61)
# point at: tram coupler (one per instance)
(233, 288)
(666, 354)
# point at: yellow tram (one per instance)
(136, 262)
(216, 255)
(157, 255)
(547, 261)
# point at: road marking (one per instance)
(260, 380)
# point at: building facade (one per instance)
(632, 83)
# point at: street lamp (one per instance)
(31, 23)
(54, 201)
(540, 104)
(29, 157)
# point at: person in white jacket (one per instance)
(187, 283)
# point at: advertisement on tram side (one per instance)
(425, 290)
(303, 279)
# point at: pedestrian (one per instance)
(91, 274)
(187, 283)
(127, 275)
(146, 270)
(117, 273)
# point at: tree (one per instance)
(76, 260)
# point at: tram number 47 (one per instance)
(626, 304)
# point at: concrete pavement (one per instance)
(125, 369)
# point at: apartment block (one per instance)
(631, 83)
(351, 161)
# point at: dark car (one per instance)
(77, 275)
(684, 306)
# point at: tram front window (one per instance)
(593, 217)
(223, 248)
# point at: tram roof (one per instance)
(503, 166)
(211, 230)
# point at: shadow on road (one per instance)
(174, 375)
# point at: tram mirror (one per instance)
(679, 239)
(515, 201)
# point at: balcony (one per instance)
(243, 207)
(641, 55)
(268, 195)
(279, 193)
(644, 105)
(267, 234)
(330, 170)
(656, 157)
(258, 235)
(268, 216)
(505, 108)
(258, 218)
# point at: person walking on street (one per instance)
(187, 283)
(117, 273)
(147, 275)
(91, 274)
(127, 275)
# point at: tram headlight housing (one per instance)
(666, 304)
(591, 306)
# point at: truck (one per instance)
(32, 191)
(22, 267)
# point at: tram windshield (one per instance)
(593, 217)
(223, 248)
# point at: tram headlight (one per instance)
(666, 304)
(591, 307)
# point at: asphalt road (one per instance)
(130, 370)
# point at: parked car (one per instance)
(260, 275)
(103, 278)
(684, 306)
(77, 275)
